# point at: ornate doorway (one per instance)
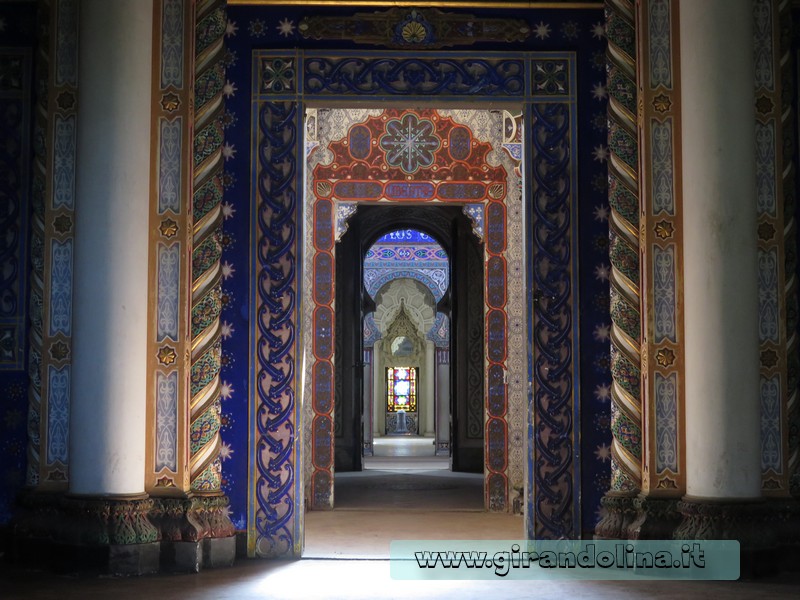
(537, 113)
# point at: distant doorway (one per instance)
(386, 356)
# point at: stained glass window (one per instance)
(401, 386)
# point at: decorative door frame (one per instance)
(545, 85)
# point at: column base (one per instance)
(193, 557)
(110, 536)
(656, 518)
(618, 515)
(753, 523)
(442, 448)
(122, 536)
(786, 513)
(219, 552)
(192, 519)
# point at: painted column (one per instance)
(379, 396)
(443, 401)
(369, 387)
(107, 424)
(721, 300)
(429, 388)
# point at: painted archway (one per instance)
(401, 156)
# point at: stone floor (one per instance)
(412, 496)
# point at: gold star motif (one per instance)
(170, 102)
(166, 355)
(769, 358)
(168, 228)
(165, 482)
(59, 351)
(766, 231)
(664, 229)
(665, 357)
(764, 105)
(65, 100)
(662, 103)
(62, 224)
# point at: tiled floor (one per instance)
(346, 551)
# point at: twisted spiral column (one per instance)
(626, 418)
(209, 72)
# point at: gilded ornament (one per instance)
(665, 357)
(59, 351)
(165, 482)
(667, 483)
(66, 100)
(496, 191)
(769, 358)
(766, 231)
(402, 27)
(664, 229)
(324, 188)
(168, 228)
(62, 224)
(170, 102)
(414, 32)
(166, 355)
(771, 484)
(764, 105)
(662, 103)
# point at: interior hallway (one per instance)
(405, 492)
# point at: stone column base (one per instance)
(219, 552)
(618, 515)
(113, 559)
(121, 535)
(656, 518)
(192, 519)
(786, 520)
(111, 535)
(753, 523)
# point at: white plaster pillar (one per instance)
(430, 365)
(107, 418)
(719, 212)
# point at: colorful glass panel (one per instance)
(401, 389)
